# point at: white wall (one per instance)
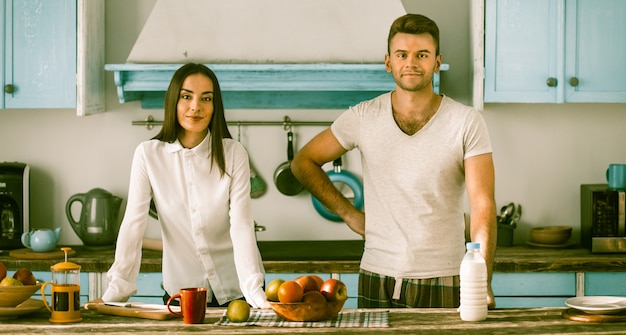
(542, 152)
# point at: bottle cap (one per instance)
(472, 245)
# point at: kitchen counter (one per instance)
(344, 256)
(401, 321)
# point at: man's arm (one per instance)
(480, 181)
(307, 168)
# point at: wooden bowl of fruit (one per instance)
(308, 311)
(18, 288)
(307, 298)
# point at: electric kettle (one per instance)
(99, 218)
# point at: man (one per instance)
(419, 151)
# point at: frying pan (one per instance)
(284, 179)
(338, 176)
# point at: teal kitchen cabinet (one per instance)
(352, 283)
(530, 290)
(605, 283)
(149, 288)
(555, 51)
(52, 54)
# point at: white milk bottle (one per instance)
(473, 276)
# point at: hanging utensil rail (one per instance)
(150, 122)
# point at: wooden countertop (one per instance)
(401, 321)
(319, 259)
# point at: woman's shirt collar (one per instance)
(201, 150)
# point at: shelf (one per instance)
(263, 86)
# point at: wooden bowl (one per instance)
(551, 234)
(11, 296)
(308, 311)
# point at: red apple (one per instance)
(3, 271)
(334, 290)
(25, 276)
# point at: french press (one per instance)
(65, 291)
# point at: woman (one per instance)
(199, 178)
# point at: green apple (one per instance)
(238, 311)
(271, 291)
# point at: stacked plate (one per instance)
(15, 300)
(598, 304)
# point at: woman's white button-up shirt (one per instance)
(206, 222)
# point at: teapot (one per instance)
(41, 240)
(99, 217)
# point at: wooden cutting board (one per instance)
(578, 315)
(29, 254)
(133, 312)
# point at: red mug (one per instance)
(192, 304)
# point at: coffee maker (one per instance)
(14, 204)
(603, 218)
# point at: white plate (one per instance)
(597, 304)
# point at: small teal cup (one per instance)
(616, 176)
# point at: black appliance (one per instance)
(14, 204)
(603, 218)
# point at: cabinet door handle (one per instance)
(9, 88)
(551, 82)
(573, 81)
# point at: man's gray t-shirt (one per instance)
(413, 185)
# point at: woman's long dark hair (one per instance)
(218, 129)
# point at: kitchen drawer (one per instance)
(526, 290)
(605, 283)
(530, 302)
(534, 284)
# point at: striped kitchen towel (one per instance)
(345, 319)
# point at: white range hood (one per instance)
(294, 54)
(266, 31)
